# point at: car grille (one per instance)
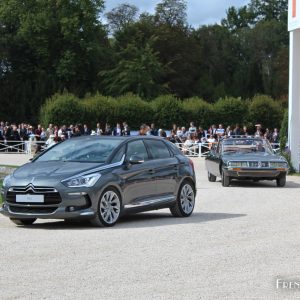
(32, 210)
(51, 195)
(259, 164)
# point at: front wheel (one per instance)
(225, 180)
(211, 177)
(281, 181)
(185, 202)
(23, 222)
(109, 209)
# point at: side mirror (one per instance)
(135, 159)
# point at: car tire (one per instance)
(225, 180)
(211, 177)
(109, 209)
(281, 181)
(23, 222)
(185, 201)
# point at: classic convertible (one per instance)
(245, 158)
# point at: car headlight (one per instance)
(82, 181)
(6, 181)
(278, 165)
(238, 164)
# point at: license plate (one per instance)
(30, 198)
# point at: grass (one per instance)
(8, 166)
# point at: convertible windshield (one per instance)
(246, 146)
(81, 150)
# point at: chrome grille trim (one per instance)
(33, 189)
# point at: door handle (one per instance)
(151, 171)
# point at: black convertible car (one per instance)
(245, 158)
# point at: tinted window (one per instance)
(119, 155)
(158, 149)
(81, 150)
(137, 148)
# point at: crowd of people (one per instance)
(13, 133)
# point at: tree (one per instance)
(171, 12)
(121, 16)
(48, 46)
(138, 70)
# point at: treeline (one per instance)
(48, 47)
(164, 111)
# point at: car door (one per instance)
(213, 160)
(165, 167)
(138, 179)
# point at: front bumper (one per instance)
(69, 204)
(58, 213)
(246, 173)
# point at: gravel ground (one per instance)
(237, 243)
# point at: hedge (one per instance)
(163, 111)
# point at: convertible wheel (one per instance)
(109, 209)
(281, 181)
(225, 180)
(185, 201)
(23, 222)
(211, 177)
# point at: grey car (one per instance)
(245, 158)
(101, 179)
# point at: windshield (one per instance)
(246, 146)
(81, 150)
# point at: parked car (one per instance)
(101, 179)
(245, 158)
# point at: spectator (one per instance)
(192, 129)
(107, 130)
(86, 130)
(153, 130)
(162, 133)
(200, 133)
(98, 129)
(220, 131)
(126, 129)
(143, 129)
(38, 132)
(237, 130)
(117, 130)
(50, 130)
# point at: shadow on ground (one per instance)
(261, 184)
(142, 220)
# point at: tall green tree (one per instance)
(47, 46)
(121, 16)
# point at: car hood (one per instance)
(50, 169)
(257, 156)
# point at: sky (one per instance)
(200, 12)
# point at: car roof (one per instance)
(123, 138)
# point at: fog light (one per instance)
(71, 208)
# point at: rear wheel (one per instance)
(109, 209)
(23, 222)
(211, 177)
(225, 180)
(185, 202)
(281, 181)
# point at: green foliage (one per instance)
(199, 111)
(62, 109)
(284, 130)
(166, 111)
(264, 110)
(138, 70)
(133, 110)
(99, 109)
(51, 46)
(230, 111)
